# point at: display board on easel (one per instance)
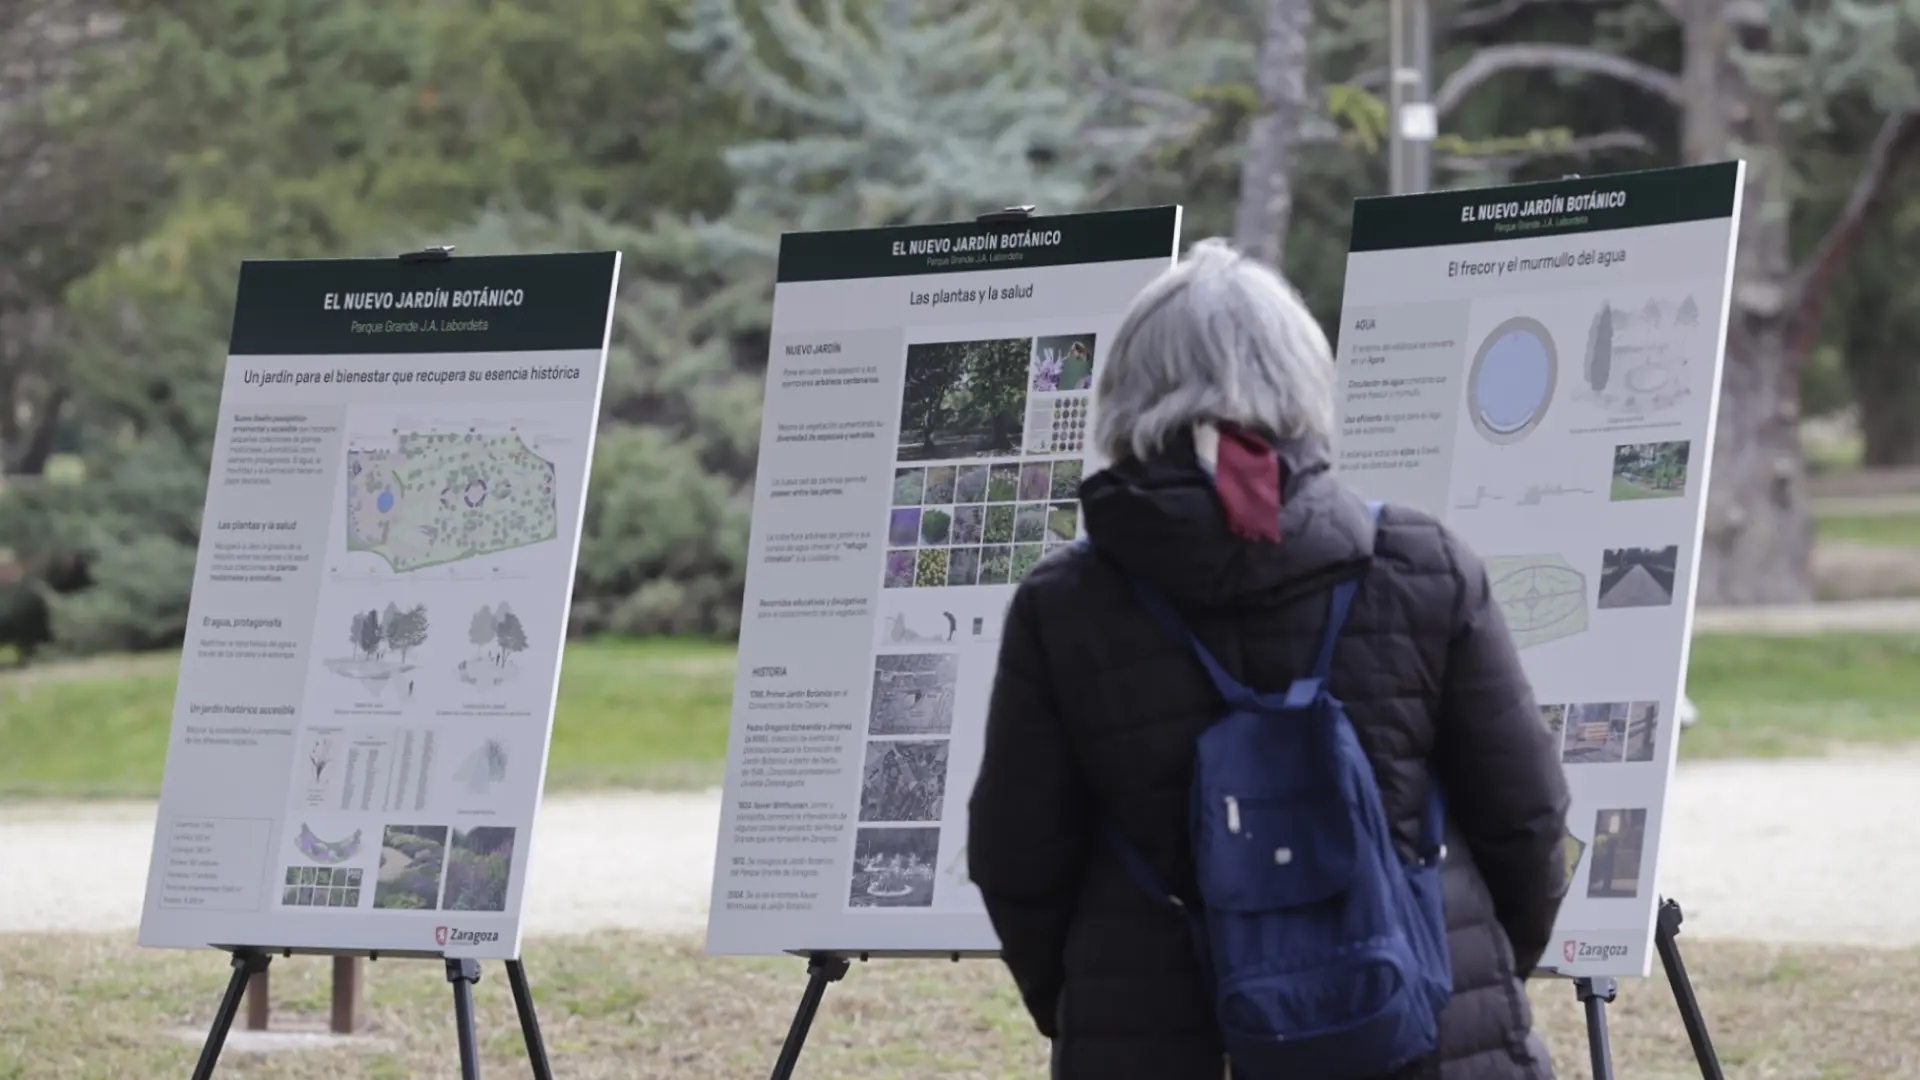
(379, 606)
(925, 431)
(1539, 367)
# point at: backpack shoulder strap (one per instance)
(1157, 606)
(1337, 610)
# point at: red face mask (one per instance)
(1246, 473)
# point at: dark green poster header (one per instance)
(1551, 208)
(483, 303)
(966, 246)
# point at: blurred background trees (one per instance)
(146, 147)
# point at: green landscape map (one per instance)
(439, 497)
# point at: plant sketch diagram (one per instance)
(327, 851)
(497, 636)
(483, 768)
(382, 640)
(1640, 360)
(899, 631)
(319, 756)
(1531, 495)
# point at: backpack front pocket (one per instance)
(1266, 853)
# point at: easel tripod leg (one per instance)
(1666, 931)
(821, 970)
(463, 974)
(1596, 994)
(246, 964)
(529, 1022)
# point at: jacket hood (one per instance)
(1161, 521)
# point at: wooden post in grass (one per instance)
(344, 1018)
(257, 1005)
(346, 994)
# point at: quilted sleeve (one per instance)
(1027, 820)
(1500, 768)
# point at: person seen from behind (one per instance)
(1215, 406)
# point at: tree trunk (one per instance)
(1887, 386)
(1266, 172)
(37, 448)
(1758, 544)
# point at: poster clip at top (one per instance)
(1006, 216)
(440, 253)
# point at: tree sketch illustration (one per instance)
(497, 635)
(382, 641)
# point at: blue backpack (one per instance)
(1327, 954)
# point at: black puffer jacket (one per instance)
(1094, 714)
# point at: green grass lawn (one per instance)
(1625, 490)
(1880, 530)
(617, 1005)
(654, 714)
(1767, 697)
(631, 714)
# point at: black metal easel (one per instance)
(1596, 993)
(821, 971)
(462, 974)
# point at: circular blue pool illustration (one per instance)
(1511, 383)
(385, 501)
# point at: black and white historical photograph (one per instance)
(894, 867)
(904, 781)
(913, 693)
(1619, 841)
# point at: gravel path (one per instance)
(1754, 850)
(1871, 616)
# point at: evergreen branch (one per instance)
(1497, 60)
(1896, 143)
(1513, 153)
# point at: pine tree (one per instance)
(924, 110)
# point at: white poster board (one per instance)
(380, 599)
(1539, 367)
(925, 431)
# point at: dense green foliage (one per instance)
(689, 134)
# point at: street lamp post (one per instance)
(1411, 120)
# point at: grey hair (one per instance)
(1216, 338)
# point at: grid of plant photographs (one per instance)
(978, 524)
(321, 886)
(1057, 424)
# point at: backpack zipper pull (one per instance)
(1233, 815)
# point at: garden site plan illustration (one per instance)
(1535, 366)
(439, 497)
(358, 743)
